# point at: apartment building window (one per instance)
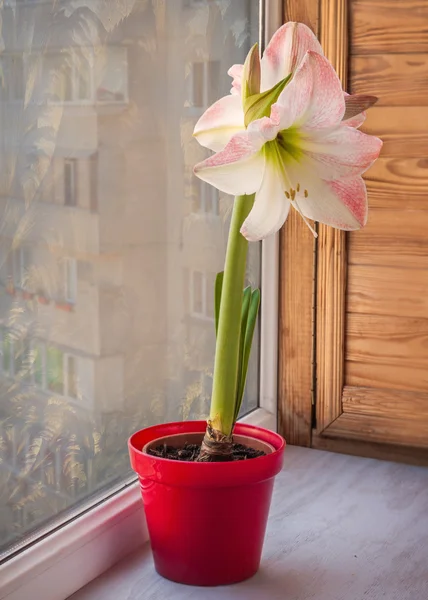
(39, 357)
(75, 77)
(70, 279)
(202, 294)
(208, 200)
(55, 370)
(16, 355)
(97, 75)
(70, 182)
(204, 81)
(70, 383)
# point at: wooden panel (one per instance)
(402, 453)
(331, 258)
(296, 302)
(404, 132)
(388, 340)
(398, 183)
(387, 291)
(296, 332)
(395, 238)
(379, 429)
(396, 79)
(380, 376)
(390, 403)
(302, 11)
(379, 26)
(387, 352)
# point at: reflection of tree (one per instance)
(51, 454)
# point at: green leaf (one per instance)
(250, 325)
(217, 297)
(259, 105)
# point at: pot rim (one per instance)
(204, 474)
(245, 440)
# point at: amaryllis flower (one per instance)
(281, 58)
(296, 148)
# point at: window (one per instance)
(70, 280)
(95, 75)
(126, 323)
(16, 355)
(204, 83)
(71, 376)
(207, 199)
(70, 182)
(202, 294)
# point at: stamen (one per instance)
(288, 195)
(306, 193)
(298, 187)
(314, 233)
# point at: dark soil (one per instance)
(190, 452)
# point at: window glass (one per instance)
(110, 245)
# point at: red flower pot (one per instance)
(206, 521)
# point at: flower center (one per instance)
(291, 193)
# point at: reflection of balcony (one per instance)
(70, 228)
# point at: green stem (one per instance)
(225, 379)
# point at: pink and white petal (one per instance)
(294, 101)
(314, 97)
(341, 204)
(266, 127)
(235, 72)
(355, 121)
(285, 52)
(344, 152)
(239, 168)
(270, 208)
(220, 122)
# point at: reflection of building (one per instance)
(110, 244)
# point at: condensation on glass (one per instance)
(109, 245)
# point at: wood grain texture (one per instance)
(384, 402)
(380, 26)
(331, 252)
(379, 429)
(302, 11)
(399, 377)
(388, 340)
(380, 450)
(384, 290)
(393, 238)
(404, 131)
(398, 183)
(387, 352)
(396, 79)
(296, 300)
(295, 374)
